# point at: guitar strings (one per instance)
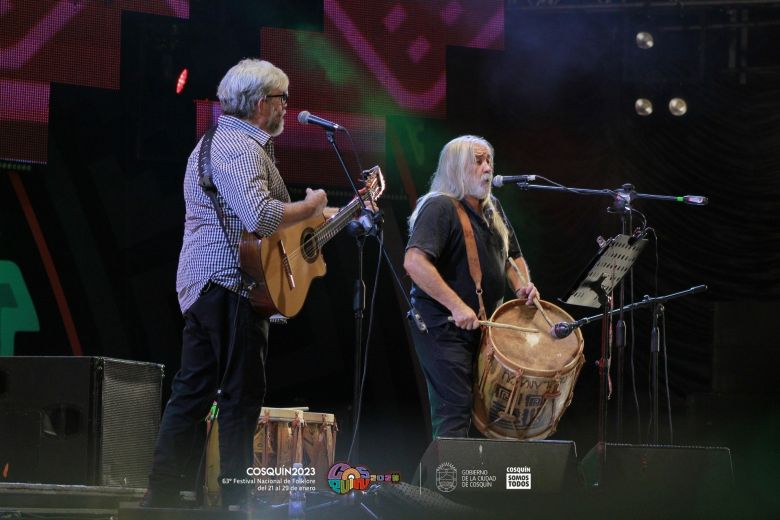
(329, 224)
(338, 218)
(373, 184)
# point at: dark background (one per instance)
(556, 100)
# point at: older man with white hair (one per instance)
(225, 341)
(459, 205)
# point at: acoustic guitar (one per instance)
(281, 267)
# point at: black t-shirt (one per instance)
(438, 232)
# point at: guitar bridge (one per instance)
(286, 266)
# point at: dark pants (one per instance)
(208, 330)
(447, 356)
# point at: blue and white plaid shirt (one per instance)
(251, 193)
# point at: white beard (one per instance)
(478, 188)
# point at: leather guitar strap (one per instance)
(205, 178)
(471, 253)
(206, 182)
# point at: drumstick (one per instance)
(536, 300)
(498, 325)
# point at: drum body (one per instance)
(525, 381)
(283, 437)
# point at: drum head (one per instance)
(540, 351)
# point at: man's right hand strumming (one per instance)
(317, 199)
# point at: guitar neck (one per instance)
(332, 226)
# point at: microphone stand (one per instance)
(655, 343)
(358, 297)
(645, 302)
(622, 206)
(655, 338)
(360, 231)
(622, 197)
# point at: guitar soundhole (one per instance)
(309, 245)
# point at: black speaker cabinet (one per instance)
(689, 477)
(469, 467)
(78, 420)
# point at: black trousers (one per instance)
(209, 327)
(447, 356)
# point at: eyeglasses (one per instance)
(285, 96)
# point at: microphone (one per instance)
(500, 180)
(694, 200)
(307, 118)
(562, 329)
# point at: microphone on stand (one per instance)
(562, 329)
(307, 118)
(500, 180)
(694, 200)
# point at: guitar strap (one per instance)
(205, 176)
(471, 253)
(206, 182)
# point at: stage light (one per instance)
(644, 40)
(182, 81)
(643, 107)
(678, 106)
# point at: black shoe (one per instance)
(168, 499)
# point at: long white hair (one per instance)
(456, 160)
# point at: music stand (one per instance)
(591, 289)
(605, 271)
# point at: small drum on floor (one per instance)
(525, 381)
(283, 438)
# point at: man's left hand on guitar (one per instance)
(375, 182)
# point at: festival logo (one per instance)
(343, 478)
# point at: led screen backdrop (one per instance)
(62, 41)
(370, 60)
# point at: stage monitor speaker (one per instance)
(691, 477)
(468, 467)
(78, 420)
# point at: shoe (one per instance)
(156, 499)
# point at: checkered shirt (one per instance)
(251, 193)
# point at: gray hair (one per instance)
(246, 83)
(449, 179)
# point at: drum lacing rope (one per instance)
(297, 428)
(513, 397)
(317, 446)
(483, 379)
(556, 420)
(546, 396)
(266, 422)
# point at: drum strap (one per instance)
(471, 253)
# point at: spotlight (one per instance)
(644, 40)
(678, 106)
(643, 107)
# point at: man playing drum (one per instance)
(444, 289)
